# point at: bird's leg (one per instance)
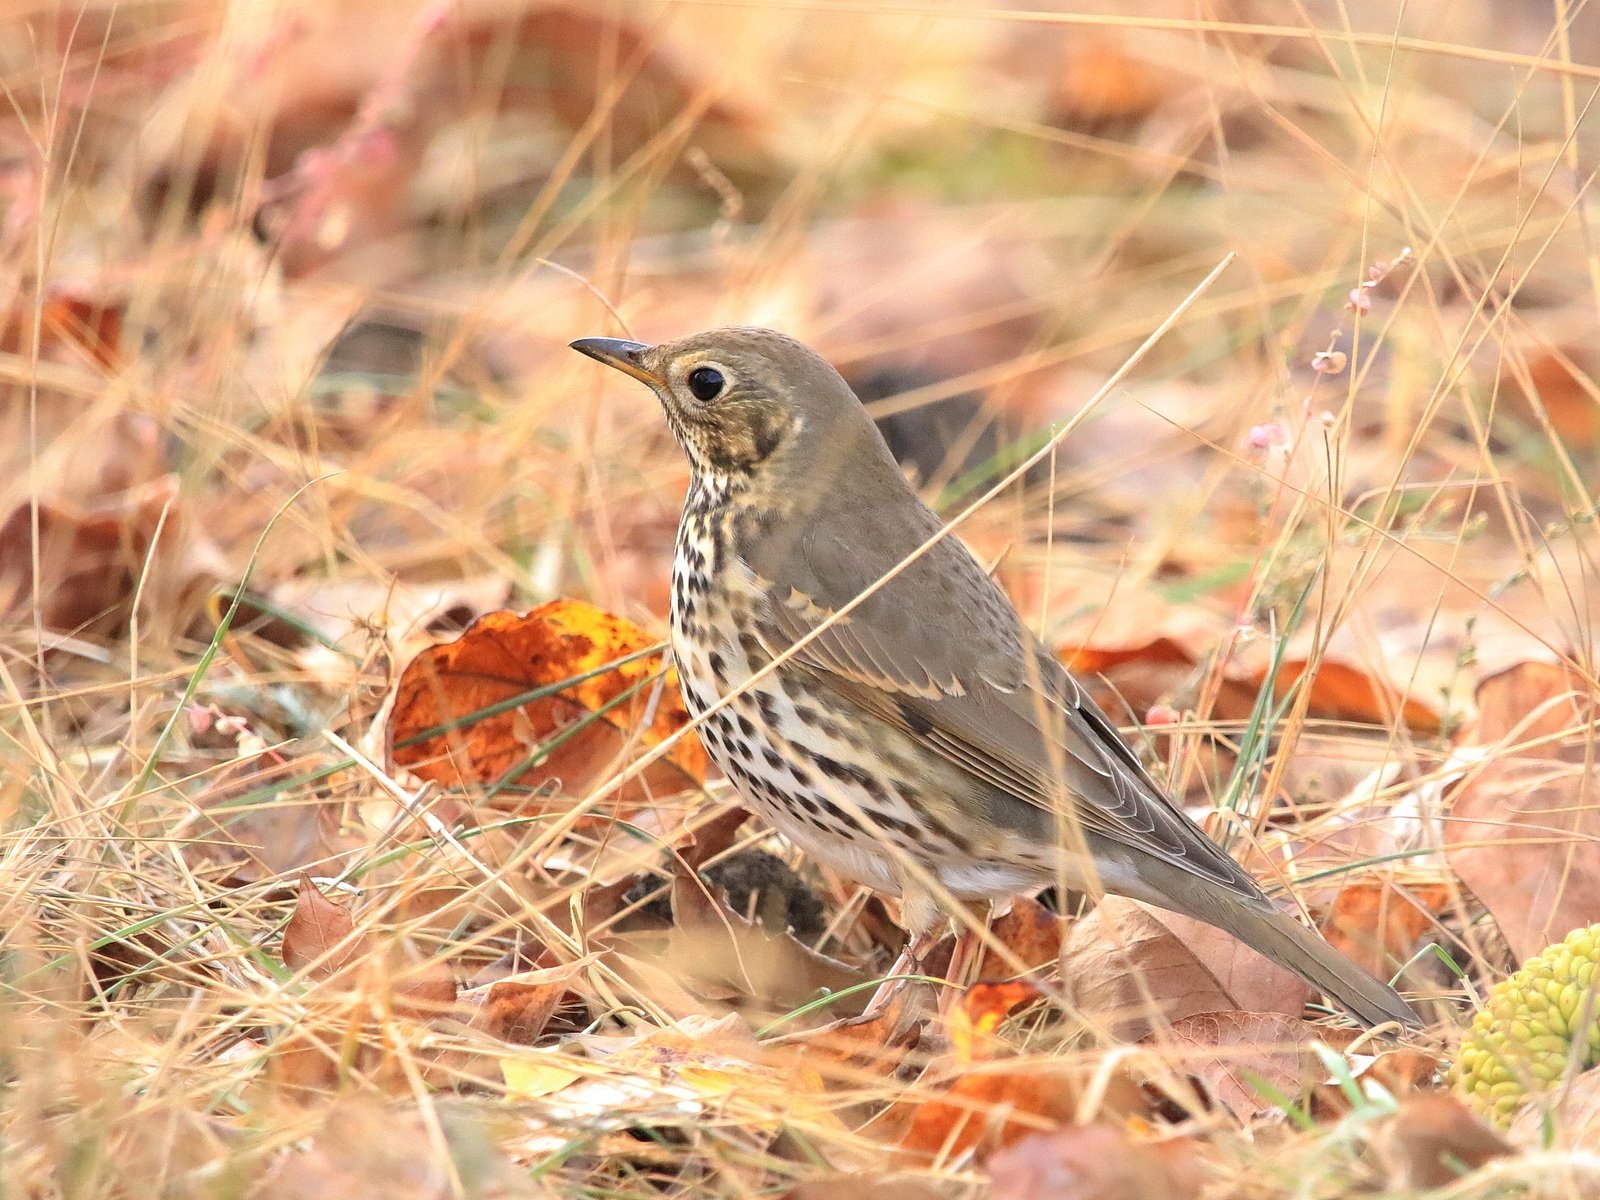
(909, 963)
(923, 922)
(964, 958)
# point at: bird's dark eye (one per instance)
(705, 383)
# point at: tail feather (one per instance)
(1284, 940)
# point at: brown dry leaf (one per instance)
(1523, 833)
(321, 936)
(334, 1039)
(504, 655)
(370, 1151)
(1378, 922)
(1229, 1051)
(516, 1009)
(1137, 967)
(322, 941)
(1524, 838)
(91, 557)
(1096, 1161)
(556, 45)
(1534, 702)
(348, 610)
(1030, 931)
(1434, 1140)
(1573, 1111)
(1399, 1072)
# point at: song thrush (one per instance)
(923, 743)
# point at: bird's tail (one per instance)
(1284, 940)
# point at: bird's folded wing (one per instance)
(1003, 710)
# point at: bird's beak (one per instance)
(623, 355)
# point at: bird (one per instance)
(914, 735)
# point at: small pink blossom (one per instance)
(1162, 714)
(1267, 436)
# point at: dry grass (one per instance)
(220, 541)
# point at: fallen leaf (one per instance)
(538, 743)
(1030, 931)
(983, 1104)
(1096, 1161)
(676, 1076)
(256, 822)
(320, 938)
(1398, 1072)
(1230, 1052)
(1523, 827)
(993, 1107)
(1535, 702)
(73, 328)
(1434, 1140)
(529, 1078)
(361, 1149)
(983, 1008)
(1149, 668)
(1555, 382)
(1378, 922)
(516, 1009)
(1571, 1110)
(1341, 692)
(1137, 967)
(710, 946)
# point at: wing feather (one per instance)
(994, 703)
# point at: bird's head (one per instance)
(743, 401)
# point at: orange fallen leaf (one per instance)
(72, 326)
(984, 1007)
(1030, 931)
(1341, 692)
(1147, 669)
(1000, 1103)
(442, 727)
(516, 1010)
(1378, 922)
